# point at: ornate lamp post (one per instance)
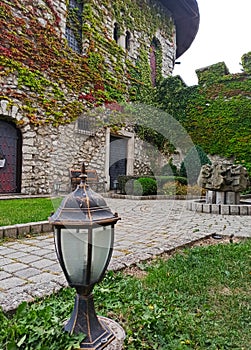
(84, 236)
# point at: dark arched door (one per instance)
(10, 158)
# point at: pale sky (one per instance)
(224, 35)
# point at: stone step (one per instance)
(22, 230)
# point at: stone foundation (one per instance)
(243, 208)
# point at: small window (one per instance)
(116, 32)
(155, 60)
(86, 125)
(128, 40)
(73, 31)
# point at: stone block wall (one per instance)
(46, 87)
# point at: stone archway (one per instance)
(10, 158)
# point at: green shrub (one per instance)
(169, 169)
(192, 163)
(126, 183)
(174, 188)
(162, 180)
(144, 186)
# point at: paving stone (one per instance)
(27, 272)
(13, 267)
(11, 283)
(42, 278)
(8, 251)
(5, 261)
(27, 248)
(16, 255)
(42, 252)
(28, 259)
(41, 264)
(55, 268)
(4, 275)
(45, 244)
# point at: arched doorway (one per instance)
(10, 158)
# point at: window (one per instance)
(86, 125)
(74, 25)
(116, 32)
(128, 41)
(155, 60)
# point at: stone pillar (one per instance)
(211, 197)
(220, 197)
(232, 198)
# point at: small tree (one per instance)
(192, 163)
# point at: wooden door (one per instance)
(10, 158)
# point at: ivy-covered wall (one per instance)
(51, 83)
(216, 113)
(45, 85)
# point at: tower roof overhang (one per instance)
(186, 17)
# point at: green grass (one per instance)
(21, 211)
(200, 298)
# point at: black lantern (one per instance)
(84, 237)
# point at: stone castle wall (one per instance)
(43, 90)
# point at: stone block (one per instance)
(237, 197)
(215, 209)
(211, 197)
(36, 228)
(207, 208)
(22, 230)
(234, 209)
(46, 227)
(189, 205)
(225, 209)
(10, 232)
(196, 206)
(1, 232)
(220, 197)
(249, 209)
(243, 210)
(230, 198)
(199, 207)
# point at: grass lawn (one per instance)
(199, 298)
(21, 211)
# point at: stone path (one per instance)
(29, 267)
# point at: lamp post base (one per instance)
(118, 332)
(100, 331)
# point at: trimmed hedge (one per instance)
(145, 186)
(126, 183)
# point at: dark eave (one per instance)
(187, 17)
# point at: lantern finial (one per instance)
(83, 175)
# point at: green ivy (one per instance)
(60, 83)
(216, 113)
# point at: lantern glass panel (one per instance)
(74, 247)
(102, 241)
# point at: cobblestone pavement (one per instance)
(29, 267)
